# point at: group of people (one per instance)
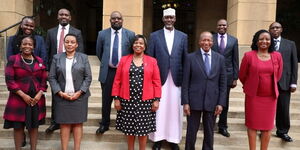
(152, 84)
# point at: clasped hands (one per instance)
(32, 101)
(70, 97)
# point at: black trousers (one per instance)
(222, 124)
(283, 112)
(106, 96)
(193, 122)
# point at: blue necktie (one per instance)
(206, 63)
(115, 58)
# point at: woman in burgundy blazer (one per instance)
(137, 90)
(25, 76)
(260, 71)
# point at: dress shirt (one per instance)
(66, 31)
(69, 79)
(225, 40)
(169, 36)
(278, 43)
(112, 37)
(209, 56)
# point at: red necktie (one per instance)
(61, 40)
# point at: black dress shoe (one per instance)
(156, 145)
(101, 129)
(285, 137)
(224, 132)
(24, 141)
(174, 146)
(52, 128)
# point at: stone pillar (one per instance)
(245, 17)
(132, 12)
(12, 11)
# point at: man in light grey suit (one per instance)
(169, 47)
(112, 44)
(203, 91)
(227, 46)
(54, 42)
(288, 82)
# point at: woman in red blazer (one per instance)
(25, 76)
(137, 90)
(259, 73)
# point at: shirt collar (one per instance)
(113, 30)
(219, 35)
(202, 52)
(66, 27)
(168, 31)
(279, 39)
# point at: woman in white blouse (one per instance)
(70, 77)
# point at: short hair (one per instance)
(27, 36)
(255, 40)
(138, 36)
(71, 34)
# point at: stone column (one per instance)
(245, 17)
(132, 12)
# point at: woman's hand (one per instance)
(117, 104)
(76, 95)
(155, 106)
(27, 99)
(64, 95)
(37, 98)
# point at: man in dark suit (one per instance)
(54, 42)
(169, 47)
(287, 83)
(227, 46)
(112, 44)
(203, 91)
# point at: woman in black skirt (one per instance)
(136, 91)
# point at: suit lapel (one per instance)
(213, 64)
(175, 42)
(229, 40)
(123, 43)
(163, 40)
(55, 37)
(200, 61)
(282, 45)
(62, 60)
(216, 42)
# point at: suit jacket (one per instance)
(249, 75)
(151, 82)
(19, 76)
(231, 55)
(103, 49)
(288, 52)
(166, 62)
(51, 41)
(13, 48)
(81, 74)
(201, 91)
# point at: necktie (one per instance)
(115, 58)
(222, 44)
(61, 40)
(206, 63)
(276, 42)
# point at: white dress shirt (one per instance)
(66, 31)
(69, 79)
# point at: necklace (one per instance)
(27, 62)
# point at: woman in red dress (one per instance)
(259, 73)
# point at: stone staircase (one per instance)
(115, 140)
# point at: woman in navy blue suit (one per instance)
(26, 28)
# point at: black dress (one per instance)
(31, 112)
(136, 118)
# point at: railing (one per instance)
(5, 40)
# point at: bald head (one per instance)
(116, 20)
(205, 41)
(275, 29)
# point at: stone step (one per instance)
(237, 138)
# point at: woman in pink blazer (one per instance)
(259, 73)
(137, 90)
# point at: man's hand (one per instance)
(234, 84)
(218, 110)
(293, 89)
(186, 109)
